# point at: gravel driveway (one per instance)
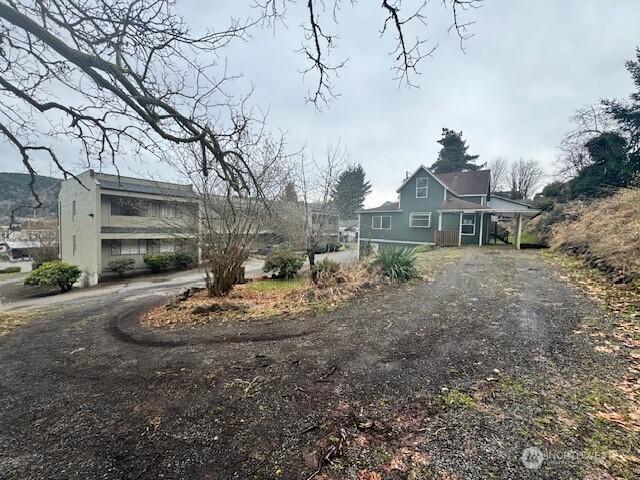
(411, 380)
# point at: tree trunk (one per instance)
(311, 254)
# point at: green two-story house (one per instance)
(439, 209)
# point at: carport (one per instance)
(461, 222)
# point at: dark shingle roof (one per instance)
(467, 183)
(386, 206)
(459, 204)
(173, 190)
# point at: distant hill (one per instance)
(14, 190)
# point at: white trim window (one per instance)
(422, 187)
(381, 222)
(468, 226)
(420, 219)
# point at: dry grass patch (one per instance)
(605, 233)
(266, 298)
(11, 319)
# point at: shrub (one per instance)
(397, 263)
(121, 265)
(284, 262)
(327, 267)
(10, 270)
(184, 260)
(58, 273)
(158, 262)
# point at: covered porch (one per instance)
(464, 223)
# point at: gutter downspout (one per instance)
(460, 231)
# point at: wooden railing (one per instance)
(447, 238)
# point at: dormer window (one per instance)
(422, 187)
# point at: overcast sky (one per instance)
(530, 65)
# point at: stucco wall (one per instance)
(84, 225)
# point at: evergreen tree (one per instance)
(350, 191)
(290, 195)
(627, 114)
(453, 156)
(610, 167)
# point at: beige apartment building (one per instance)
(106, 217)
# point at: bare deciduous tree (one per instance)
(229, 221)
(116, 75)
(120, 76)
(588, 123)
(525, 176)
(314, 218)
(499, 167)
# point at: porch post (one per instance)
(480, 236)
(439, 221)
(460, 231)
(518, 231)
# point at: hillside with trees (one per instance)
(592, 210)
(15, 195)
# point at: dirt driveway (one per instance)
(448, 379)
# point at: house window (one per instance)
(381, 222)
(162, 246)
(115, 247)
(422, 187)
(128, 247)
(468, 225)
(75, 247)
(420, 219)
(129, 207)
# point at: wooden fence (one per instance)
(447, 238)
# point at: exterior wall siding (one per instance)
(84, 226)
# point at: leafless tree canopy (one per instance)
(397, 20)
(229, 222)
(128, 76)
(499, 167)
(308, 222)
(525, 176)
(112, 74)
(588, 122)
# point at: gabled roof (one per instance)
(473, 182)
(421, 167)
(459, 204)
(459, 183)
(385, 207)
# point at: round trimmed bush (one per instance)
(159, 262)
(55, 273)
(122, 265)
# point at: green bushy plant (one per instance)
(10, 270)
(397, 263)
(158, 262)
(326, 266)
(284, 262)
(54, 273)
(122, 265)
(184, 260)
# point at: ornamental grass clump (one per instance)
(396, 263)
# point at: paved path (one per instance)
(87, 392)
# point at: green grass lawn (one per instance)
(276, 285)
(526, 237)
